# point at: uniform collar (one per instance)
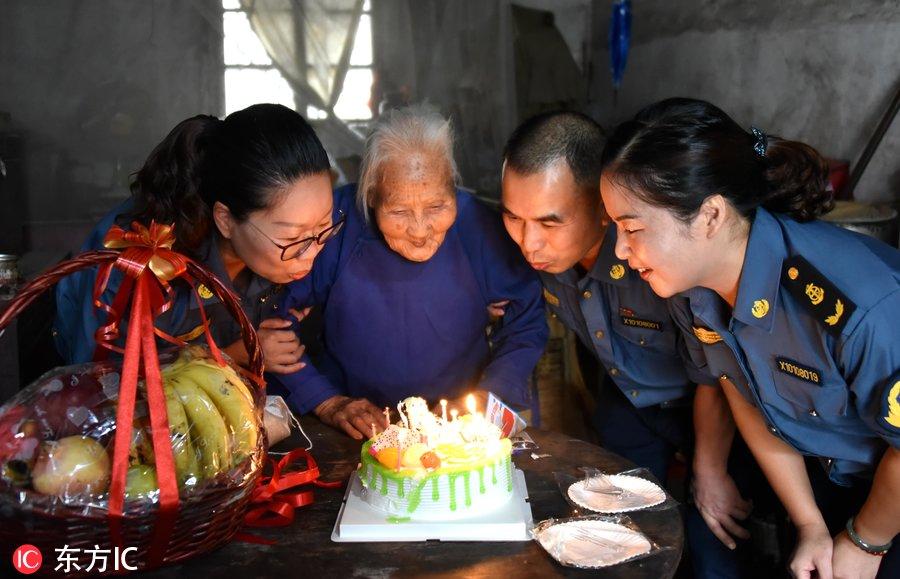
(757, 296)
(608, 268)
(211, 257)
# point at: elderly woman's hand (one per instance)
(355, 416)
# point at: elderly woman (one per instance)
(406, 286)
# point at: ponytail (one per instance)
(797, 176)
(167, 188)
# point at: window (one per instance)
(251, 76)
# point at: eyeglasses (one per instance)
(297, 248)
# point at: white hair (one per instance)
(401, 132)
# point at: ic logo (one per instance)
(27, 559)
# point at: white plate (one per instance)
(564, 544)
(640, 494)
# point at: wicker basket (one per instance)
(208, 516)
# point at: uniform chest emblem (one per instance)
(760, 308)
(617, 271)
(893, 406)
(798, 370)
(706, 335)
(204, 292)
(815, 293)
(551, 299)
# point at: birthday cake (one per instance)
(427, 467)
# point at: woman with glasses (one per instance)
(250, 197)
(404, 291)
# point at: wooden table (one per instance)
(305, 549)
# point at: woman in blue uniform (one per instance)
(797, 317)
(250, 197)
(405, 288)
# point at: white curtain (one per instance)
(310, 41)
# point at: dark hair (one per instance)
(543, 139)
(242, 162)
(679, 151)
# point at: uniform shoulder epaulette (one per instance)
(824, 301)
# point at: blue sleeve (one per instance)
(76, 317)
(519, 342)
(870, 363)
(303, 390)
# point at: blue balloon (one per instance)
(619, 39)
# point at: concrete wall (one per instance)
(821, 71)
(92, 86)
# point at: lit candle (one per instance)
(444, 410)
(374, 433)
(470, 403)
(402, 416)
(387, 415)
(454, 413)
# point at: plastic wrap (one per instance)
(595, 541)
(596, 491)
(56, 435)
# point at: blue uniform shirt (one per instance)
(618, 317)
(395, 328)
(77, 318)
(813, 340)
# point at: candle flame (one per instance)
(470, 403)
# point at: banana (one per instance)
(231, 401)
(210, 434)
(186, 466)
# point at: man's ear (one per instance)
(223, 218)
(712, 216)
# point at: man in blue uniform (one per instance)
(552, 210)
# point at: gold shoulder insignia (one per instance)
(551, 299)
(821, 298)
(893, 406)
(193, 334)
(706, 335)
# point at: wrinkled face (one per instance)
(415, 205)
(667, 252)
(301, 210)
(553, 222)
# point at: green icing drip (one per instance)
(435, 492)
(384, 485)
(509, 468)
(401, 489)
(451, 478)
(481, 488)
(398, 520)
(371, 478)
(467, 480)
(494, 473)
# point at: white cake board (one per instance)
(358, 522)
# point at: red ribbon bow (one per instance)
(272, 505)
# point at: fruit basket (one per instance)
(157, 453)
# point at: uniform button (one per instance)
(642, 341)
(634, 393)
(587, 294)
(773, 430)
(552, 315)
(614, 372)
(599, 334)
(813, 413)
